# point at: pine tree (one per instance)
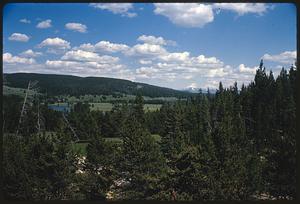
(233, 150)
(16, 182)
(281, 157)
(173, 139)
(142, 161)
(192, 177)
(99, 169)
(139, 108)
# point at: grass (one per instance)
(108, 106)
(111, 98)
(156, 137)
(152, 107)
(16, 91)
(101, 106)
(80, 148)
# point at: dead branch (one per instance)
(71, 128)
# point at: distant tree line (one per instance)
(54, 85)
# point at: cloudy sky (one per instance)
(166, 44)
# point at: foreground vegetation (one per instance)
(234, 145)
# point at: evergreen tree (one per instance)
(173, 139)
(142, 161)
(138, 108)
(99, 169)
(16, 182)
(282, 151)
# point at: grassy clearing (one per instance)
(79, 148)
(108, 106)
(156, 137)
(111, 98)
(16, 91)
(101, 106)
(152, 107)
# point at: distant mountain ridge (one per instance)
(197, 90)
(54, 84)
(191, 90)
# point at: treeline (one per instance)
(232, 145)
(54, 85)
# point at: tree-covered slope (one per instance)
(73, 85)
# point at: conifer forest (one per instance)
(232, 144)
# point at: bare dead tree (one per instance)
(71, 128)
(40, 119)
(27, 102)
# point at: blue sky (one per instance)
(171, 45)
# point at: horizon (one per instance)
(102, 77)
(172, 51)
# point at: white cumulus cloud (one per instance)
(30, 53)
(152, 40)
(24, 20)
(243, 8)
(80, 55)
(176, 56)
(56, 43)
(86, 47)
(19, 37)
(110, 47)
(186, 14)
(146, 50)
(44, 24)
(145, 61)
(287, 57)
(116, 8)
(184, 67)
(84, 63)
(243, 69)
(10, 59)
(200, 14)
(103, 46)
(76, 27)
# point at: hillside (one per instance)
(74, 85)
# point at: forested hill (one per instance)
(73, 85)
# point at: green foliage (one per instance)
(77, 86)
(16, 184)
(11, 112)
(173, 139)
(234, 145)
(80, 148)
(44, 169)
(83, 121)
(142, 160)
(99, 168)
